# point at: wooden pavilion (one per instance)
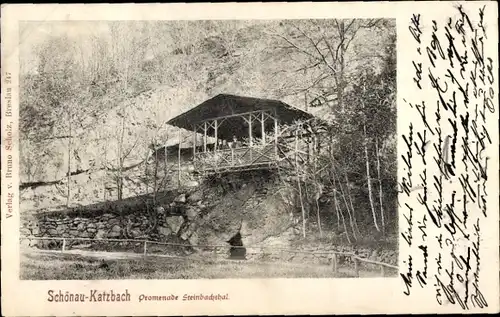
(243, 133)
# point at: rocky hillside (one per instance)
(210, 214)
(253, 206)
(94, 104)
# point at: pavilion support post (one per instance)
(215, 132)
(194, 140)
(296, 150)
(275, 136)
(205, 137)
(309, 143)
(315, 142)
(318, 142)
(263, 128)
(250, 129)
(165, 158)
(179, 161)
(250, 117)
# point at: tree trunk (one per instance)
(119, 181)
(319, 219)
(368, 179)
(380, 187)
(146, 170)
(179, 160)
(350, 202)
(155, 180)
(319, 188)
(343, 222)
(68, 185)
(336, 207)
(105, 150)
(351, 222)
(340, 81)
(299, 185)
(302, 208)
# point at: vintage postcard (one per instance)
(250, 158)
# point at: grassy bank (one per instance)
(58, 266)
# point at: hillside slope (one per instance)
(92, 114)
(253, 206)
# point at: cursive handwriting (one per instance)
(445, 159)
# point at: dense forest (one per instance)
(95, 96)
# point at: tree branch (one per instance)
(315, 46)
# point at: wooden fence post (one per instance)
(334, 263)
(145, 247)
(63, 245)
(356, 265)
(382, 270)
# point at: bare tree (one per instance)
(369, 180)
(380, 186)
(325, 52)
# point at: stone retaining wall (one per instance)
(207, 215)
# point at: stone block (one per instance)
(180, 199)
(175, 223)
(166, 231)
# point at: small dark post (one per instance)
(334, 263)
(356, 265)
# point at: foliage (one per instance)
(357, 88)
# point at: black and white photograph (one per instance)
(208, 149)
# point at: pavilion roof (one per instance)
(224, 105)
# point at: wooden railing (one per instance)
(335, 256)
(233, 158)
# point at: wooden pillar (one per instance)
(215, 132)
(308, 140)
(194, 140)
(315, 151)
(275, 135)
(205, 137)
(318, 142)
(250, 129)
(356, 266)
(250, 117)
(296, 150)
(334, 263)
(263, 127)
(165, 153)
